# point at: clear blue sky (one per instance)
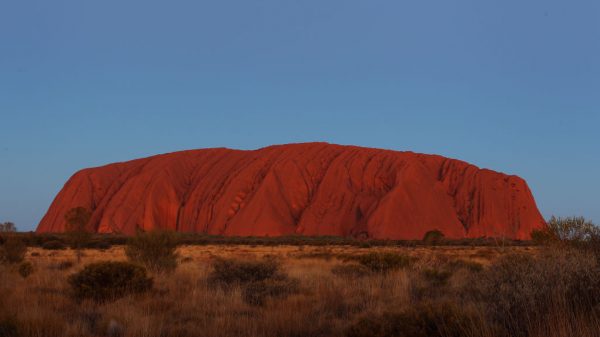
(508, 85)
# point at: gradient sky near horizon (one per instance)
(509, 85)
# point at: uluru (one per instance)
(312, 189)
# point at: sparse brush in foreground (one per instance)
(545, 291)
(25, 269)
(424, 320)
(259, 279)
(383, 262)
(8, 328)
(63, 265)
(13, 250)
(519, 289)
(437, 277)
(351, 270)
(256, 293)
(54, 245)
(233, 271)
(156, 250)
(105, 281)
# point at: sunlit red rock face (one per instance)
(309, 189)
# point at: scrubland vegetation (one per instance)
(157, 286)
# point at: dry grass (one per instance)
(185, 303)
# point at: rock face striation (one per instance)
(307, 189)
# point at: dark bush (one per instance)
(365, 244)
(433, 237)
(543, 236)
(25, 269)
(186, 259)
(520, 289)
(8, 328)
(13, 250)
(54, 245)
(232, 271)
(462, 264)
(319, 254)
(351, 270)
(98, 244)
(156, 250)
(594, 246)
(63, 265)
(430, 281)
(256, 293)
(259, 279)
(437, 277)
(105, 281)
(423, 320)
(383, 262)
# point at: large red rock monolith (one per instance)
(308, 189)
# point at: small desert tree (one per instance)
(77, 228)
(569, 230)
(433, 237)
(7, 227)
(573, 229)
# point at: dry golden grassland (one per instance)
(440, 283)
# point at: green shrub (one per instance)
(25, 269)
(105, 281)
(54, 245)
(13, 250)
(156, 250)
(433, 237)
(423, 320)
(383, 262)
(232, 271)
